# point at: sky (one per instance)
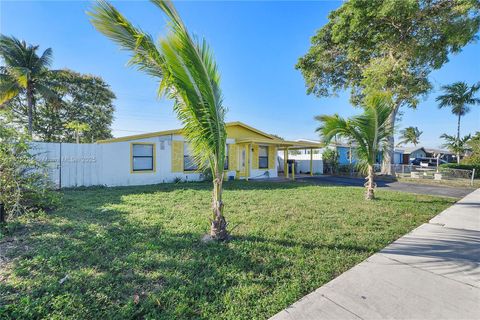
(256, 45)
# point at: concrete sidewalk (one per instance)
(431, 273)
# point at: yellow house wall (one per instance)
(238, 132)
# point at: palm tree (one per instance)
(188, 74)
(370, 131)
(459, 96)
(24, 73)
(410, 135)
(457, 145)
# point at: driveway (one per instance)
(392, 185)
(431, 273)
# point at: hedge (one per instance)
(463, 167)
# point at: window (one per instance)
(143, 157)
(262, 157)
(188, 161)
(225, 166)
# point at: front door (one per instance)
(243, 160)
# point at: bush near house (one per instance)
(24, 184)
(463, 166)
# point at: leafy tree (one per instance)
(370, 131)
(456, 145)
(410, 135)
(474, 146)
(78, 129)
(24, 72)
(459, 96)
(392, 45)
(24, 183)
(188, 74)
(84, 98)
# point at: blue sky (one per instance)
(256, 45)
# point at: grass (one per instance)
(136, 252)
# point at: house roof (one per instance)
(179, 131)
(409, 150)
(438, 151)
(242, 133)
(427, 150)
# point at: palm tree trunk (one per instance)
(218, 228)
(77, 136)
(388, 155)
(30, 109)
(370, 193)
(458, 139)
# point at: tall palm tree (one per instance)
(457, 145)
(188, 74)
(370, 131)
(410, 135)
(459, 96)
(24, 72)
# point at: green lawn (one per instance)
(136, 252)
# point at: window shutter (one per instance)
(255, 157)
(272, 157)
(232, 157)
(177, 156)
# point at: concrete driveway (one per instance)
(392, 185)
(431, 273)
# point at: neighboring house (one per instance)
(409, 154)
(162, 156)
(446, 155)
(347, 155)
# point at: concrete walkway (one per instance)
(431, 273)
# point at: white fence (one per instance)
(70, 164)
(302, 163)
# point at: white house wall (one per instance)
(109, 164)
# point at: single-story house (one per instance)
(409, 154)
(346, 154)
(162, 156)
(165, 155)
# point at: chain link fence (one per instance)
(421, 174)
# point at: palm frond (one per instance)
(109, 21)
(192, 79)
(9, 88)
(369, 130)
(188, 75)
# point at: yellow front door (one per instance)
(243, 161)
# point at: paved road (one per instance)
(392, 185)
(431, 273)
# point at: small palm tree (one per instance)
(369, 130)
(410, 135)
(24, 72)
(190, 77)
(456, 145)
(459, 96)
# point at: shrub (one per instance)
(24, 183)
(463, 166)
(330, 161)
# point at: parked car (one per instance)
(427, 162)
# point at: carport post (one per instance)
(285, 162)
(311, 161)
